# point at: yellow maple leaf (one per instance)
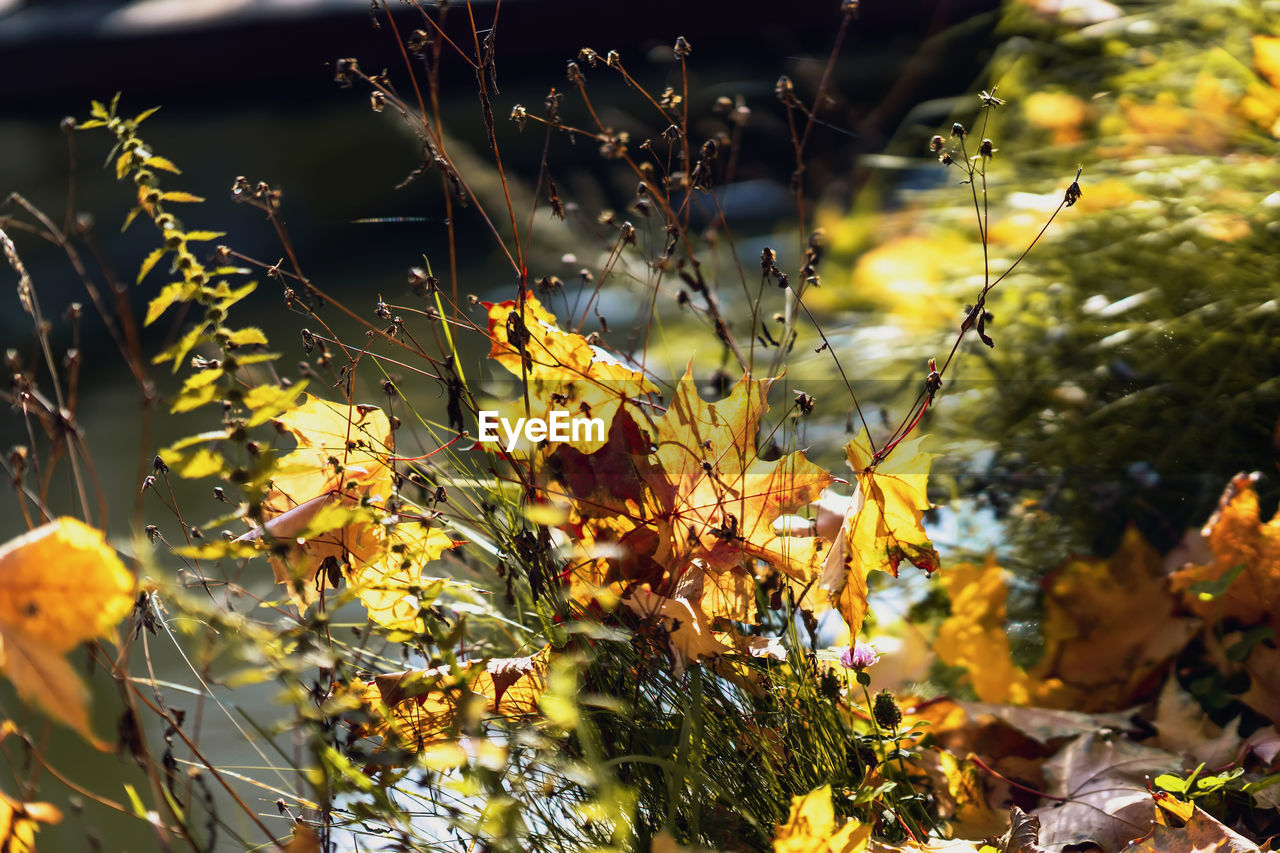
(315, 502)
(19, 822)
(562, 370)
(341, 448)
(1110, 627)
(811, 827)
(675, 514)
(884, 525)
(715, 499)
(393, 587)
(44, 614)
(423, 707)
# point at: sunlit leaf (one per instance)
(178, 291)
(812, 827)
(884, 526)
(19, 822)
(44, 614)
(157, 162)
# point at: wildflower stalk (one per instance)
(903, 814)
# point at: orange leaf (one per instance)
(44, 614)
(18, 823)
(1236, 537)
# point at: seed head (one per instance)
(958, 130)
(886, 711)
(935, 144)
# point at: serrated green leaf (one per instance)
(149, 263)
(178, 291)
(157, 162)
(268, 401)
(144, 115)
(204, 235)
(246, 336)
(180, 196)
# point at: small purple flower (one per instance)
(859, 656)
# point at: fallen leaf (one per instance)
(1105, 781)
(1045, 725)
(1236, 537)
(1201, 834)
(1183, 727)
(811, 827)
(44, 614)
(974, 637)
(1110, 628)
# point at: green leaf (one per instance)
(144, 115)
(97, 110)
(93, 122)
(180, 196)
(157, 162)
(1237, 652)
(149, 263)
(178, 291)
(115, 102)
(1172, 784)
(1209, 590)
(123, 162)
(246, 336)
(204, 235)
